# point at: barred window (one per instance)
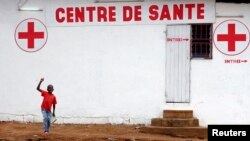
(201, 43)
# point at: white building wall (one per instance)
(113, 74)
(101, 74)
(220, 91)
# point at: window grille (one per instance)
(201, 43)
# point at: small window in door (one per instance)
(201, 43)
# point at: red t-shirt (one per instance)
(48, 100)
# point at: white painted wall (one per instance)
(101, 74)
(220, 92)
(113, 74)
(222, 95)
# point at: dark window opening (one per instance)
(201, 43)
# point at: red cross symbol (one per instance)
(31, 35)
(231, 37)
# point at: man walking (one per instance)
(49, 99)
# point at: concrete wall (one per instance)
(113, 74)
(101, 74)
(219, 90)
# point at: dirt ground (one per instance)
(14, 131)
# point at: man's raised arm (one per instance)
(39, 84)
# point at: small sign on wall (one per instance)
(232, 38)
(31, 35)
